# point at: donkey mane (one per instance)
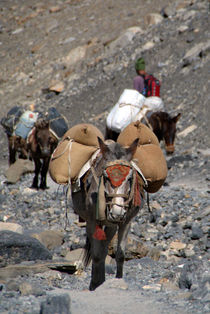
(42, 124)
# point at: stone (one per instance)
(196, 52)
(114, 283)
(11, 227)
(50, 238)
(153, 19)
(148, 45)
(187, 131)
(48, 268)
(16, 170)
(134, 247)
(75, 55)
(15, 248)
(125, 39)
(56, 304)
(57, 87)
(196, 233)
(177, 245)
(154, 287)
(75, 255)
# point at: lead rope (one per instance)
(149, 209)
(68, 198)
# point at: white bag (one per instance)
(125, 110)
(152, 103)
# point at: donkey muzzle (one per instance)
(45, 151)
(170, 149)
(117, 213)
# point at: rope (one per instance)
(132, 105)
(63, 152)
(140, 172)
(68, 190)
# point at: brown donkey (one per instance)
(41, 144)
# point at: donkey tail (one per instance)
(87, 253)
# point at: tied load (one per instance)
(131, 106)
(79, 148)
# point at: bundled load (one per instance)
(58, 123)
(77, 146)
(151, 104)
(19, 122)
(125, 110)
(26, 123)
(11, 120)
(149, 156)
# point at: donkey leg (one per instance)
(12, 151)
(99, 250)
(45, 166)
(37, 170)
(120, 254)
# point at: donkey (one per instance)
(164, 127)
(41, 144)
(110, 195)
(161, 123)
(17, 146)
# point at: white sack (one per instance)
(125, 110)
(152, 104)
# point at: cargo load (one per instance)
(58, 123)
(149, 156)
(77, 146)
(125, 110)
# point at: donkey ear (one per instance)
(133, 147)
(177, 117)
(103, 147)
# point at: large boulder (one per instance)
(16, 248)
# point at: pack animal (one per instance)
(111, 195)
(17, 146)
(161, 123)
(41, 144)
(164, 127)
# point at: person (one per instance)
(138, 81)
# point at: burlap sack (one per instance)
(134, 130)
(85, 134)
(68, 159)
(153, 165)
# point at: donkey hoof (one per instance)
(43, 187)
(34, 187)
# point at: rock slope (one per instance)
(79, 56)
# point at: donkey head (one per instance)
(164, 127)
(169, 132)
(117, 179)
(45, 141)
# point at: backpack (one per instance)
(152, 86)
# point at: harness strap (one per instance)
(131, 105)
(53, 133)
(67, 147)
(139, 172)
(147, 121)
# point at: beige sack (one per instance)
(77, 146)
(68, 159)
(84, 133)
(153, 165)
(137, 130)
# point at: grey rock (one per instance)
(58, 304)
(15, 248)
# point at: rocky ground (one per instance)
(79, 56)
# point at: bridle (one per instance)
(116, 172)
